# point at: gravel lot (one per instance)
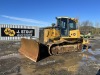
(76, 63)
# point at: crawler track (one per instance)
(62, 47)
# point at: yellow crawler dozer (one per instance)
(62, 37)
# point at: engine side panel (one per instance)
(48, 34)
(74, 33)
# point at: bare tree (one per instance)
(86, 27)
(97, 26)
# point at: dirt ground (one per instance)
(76, 63)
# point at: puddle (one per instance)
(87, 57)
(90, 55)
(93, 52)
(17, 43)
(10, 55)
(48, 62)
(96, 52)
(83, 50)
(90, 51)
(92, 58)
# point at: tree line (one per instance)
(89, 27)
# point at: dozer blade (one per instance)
(30, 49)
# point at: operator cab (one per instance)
(65, 24)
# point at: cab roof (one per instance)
(62, 17)
(75, 19)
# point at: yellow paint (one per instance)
(75, 34)
(51, 34)
(86, 41)
(9, 32)
(72, 34)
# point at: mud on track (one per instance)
(76, 63)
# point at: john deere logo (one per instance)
(9, 32)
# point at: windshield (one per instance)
(65, 25)
(72, 25)
(62, 24)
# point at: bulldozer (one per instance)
(62, 37)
